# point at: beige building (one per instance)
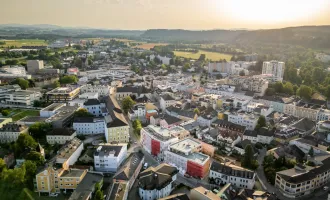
(200, 193)
(34, 66)
(10, 132)
(60, 135)
(4, 121)
(63, 94)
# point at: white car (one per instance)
(53, 195)
(325, 188)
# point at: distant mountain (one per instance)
(42, 26)
(309, 36)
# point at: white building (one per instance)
(102, 90)
(95, 107)
(244, 119)
(166, 101)
(263, 136)
(138, 111)
(186, 156)
(23, 97)
(275, 68)
(253, 84)
(224, 173)
(34, 66)
(156, 183)
(6, 89)
(10, 132)
(108, 157)
(70, 152)
(60, 135)
(89, 125)
(155, 140)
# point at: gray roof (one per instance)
(304, 125)
(129, 167)
(170, 119)
(105, 150)
(167, 97)
(86, 186)
(228, 170)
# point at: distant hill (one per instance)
(309, 36)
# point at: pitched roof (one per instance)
(61, 131)
(170, 119)
(304, 125)
(231, 170)
(86, 186)
(167, 97)
(91, 102)
(129, 167)
(127, 89)
(157, 178)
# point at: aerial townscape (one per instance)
(163, 114)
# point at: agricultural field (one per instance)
(214, 56)
(149, 46)
(20, 43)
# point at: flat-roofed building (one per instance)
(155, 140)
(186, 156)
(70, 152)
(23, 97)
(63, 94)
(89, 125)
(60, 135)
(108, 157)
(63, 117)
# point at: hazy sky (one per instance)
(183, 14)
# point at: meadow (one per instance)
(20, 43)
(214, 56)
(149, 46)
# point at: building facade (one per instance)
(107, 158)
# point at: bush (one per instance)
(258, 146)
(5, 112)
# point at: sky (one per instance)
(167, 14)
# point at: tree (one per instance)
(24, 141)
(39, 130)
(127, 104)
(242, 73)
(288, 88)
(305, 92)
(77, 46)
(68, 79)
(14, 177)
(278, 86)
(270, 91)
(5, 112)
(82, 112)
(31, 169)
(137, 126)
(218, 76)
(261, 122)
(202, 57)
(248, 160)
(56, 84)
(186, 67)
(99, 195)
(24, 84)
(78, 62)
(311, 152)
(36, 157)
(196, 111)
(2, 165)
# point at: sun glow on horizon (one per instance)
(271, 12)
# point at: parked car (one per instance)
(53, 195)
(325, 188)
(145, 166)
(187, 175)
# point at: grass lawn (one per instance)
(149, 46)
(19, 43)
(258, 185)
(25, 113)
(209, 55)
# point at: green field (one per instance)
(25, 113)
(20, 43)
(209, 55)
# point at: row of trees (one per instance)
(303, 91)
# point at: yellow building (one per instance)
(63, 94)
(4, 121)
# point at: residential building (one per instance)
(130, 169)
(166, 101)
(89, 125)
(102, 90)
(63, 116)
(23, 97)
(34, 66)
(179, 196)
(275, 68)
(323, 115)
(108, 157)
(201, 193)
(7, 89)
(60, 135)
(9, 132)
(303, 180)
(262, 135)
(95, 107)
(168, 121)
(123, 92)
(138, 111)
(4, 121)
(155, 183)
(118, 191)
(186, 156)
(253, 84)
(223, 173)
(63, 94)
(155, 140)
(70, 152)
(86, 187)
(248, 120)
